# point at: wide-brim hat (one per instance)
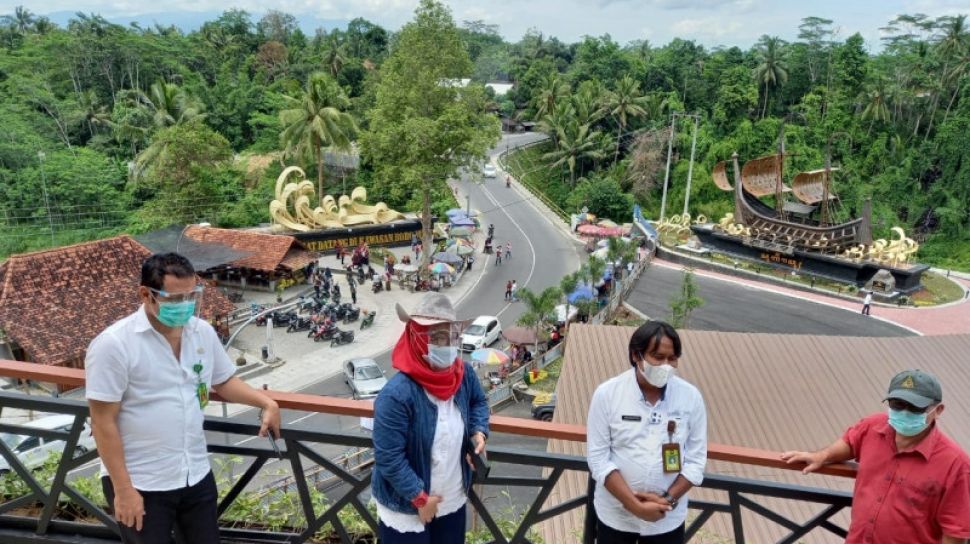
(432, 309)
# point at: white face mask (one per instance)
(656, 376)
(441, 357)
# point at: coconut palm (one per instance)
(315, 120)
(876, 108)
(576, 142)
(335, 56)
(772, 70)
(567, 285)
(540, 309)
(624, 102)
(552, 91)
(169, 104)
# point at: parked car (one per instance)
(544, 410)
(489, 170)
(483, 332)
(33, 451)
(364, 377)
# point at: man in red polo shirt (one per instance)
(913, 483)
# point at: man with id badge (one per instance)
(646, 443)
(148, 378)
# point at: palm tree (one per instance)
(335, 56)
(772, 70)
(876, 108)
(567, 285)
(576, 142)
(22, 19)
(169, 104)
(316, 120)
(93, 112)
(552, 90)
(558, 119)
(623, 102)
(540, 309)
(588, 103)
(951, 45)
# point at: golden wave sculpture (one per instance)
(344, 211)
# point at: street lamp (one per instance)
(200, 225)
(43, 183)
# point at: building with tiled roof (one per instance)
(54, 302)
(270, 257)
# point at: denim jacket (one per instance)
(404, 427)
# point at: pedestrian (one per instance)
(327, 274)
(646, 437)
(148, 381)
(353, 293)
(340, 251)
(498, 257)
(508, 290)
(913, 481)
(491, 230)
(508, 250)
(316, 287)
(470, 260)
(422, 417)
(513, 290)
(417, 250)
(350, 280)
(866, 302)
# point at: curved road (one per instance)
(732, 307)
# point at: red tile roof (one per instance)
(269, 251)
(54, 302)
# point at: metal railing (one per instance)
(46, 525)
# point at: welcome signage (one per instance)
(398, 233)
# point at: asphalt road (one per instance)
(731, 307)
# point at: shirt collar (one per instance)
(636, 386)
(142, 323)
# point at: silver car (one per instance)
(364, 377)
(33, 451)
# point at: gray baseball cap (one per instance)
(433, 308)
(916, 387)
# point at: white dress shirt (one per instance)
(446, 477)
(160, 419)
(626, 433)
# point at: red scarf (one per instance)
(409, 357)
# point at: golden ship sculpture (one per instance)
(342, 212)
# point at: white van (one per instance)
(33, 451)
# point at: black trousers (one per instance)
(191, 511)
(608, 535)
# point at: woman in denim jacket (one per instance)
(426, 419)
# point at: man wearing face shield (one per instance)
(427, 418)
(646, 443)
(147, 383)
(913, 483)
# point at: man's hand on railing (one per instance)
(813, 460)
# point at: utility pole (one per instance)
(43, 183)
(690, 168)
(670, 149)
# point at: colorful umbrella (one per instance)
(490, 356)
(441, 268)
(446, 257)
(460, 249)
(589, 229)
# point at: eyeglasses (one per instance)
(164, 296)
(444, 337)
(898, 405)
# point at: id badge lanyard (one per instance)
(201, 388)
(671, 450)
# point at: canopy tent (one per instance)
(582, 292)
(519, 335)
(446, 257)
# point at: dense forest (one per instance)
(122, 129)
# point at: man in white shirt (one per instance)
(148, 377)
(646, 443)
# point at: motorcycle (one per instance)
(277, 317)
(300, 324)
(352, 314)
(325, 332)
(368, 320)
(284, 319)
(341, 337)
(377, 286)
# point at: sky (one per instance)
(708, 22)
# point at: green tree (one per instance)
(772, 69)
(553, 90)
(576, 141)
(540, 309)
(567, 285)
(623, 102)
(315, 120)
(424, 125)
(685, 302)
(169, 104)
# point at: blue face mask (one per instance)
(176, 314)
(442, 357)
(907, 423)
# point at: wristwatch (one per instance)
(420, 500)
(669, 498)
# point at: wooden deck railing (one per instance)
(73, 377)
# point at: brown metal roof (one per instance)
(766, 391)
(267, 251)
